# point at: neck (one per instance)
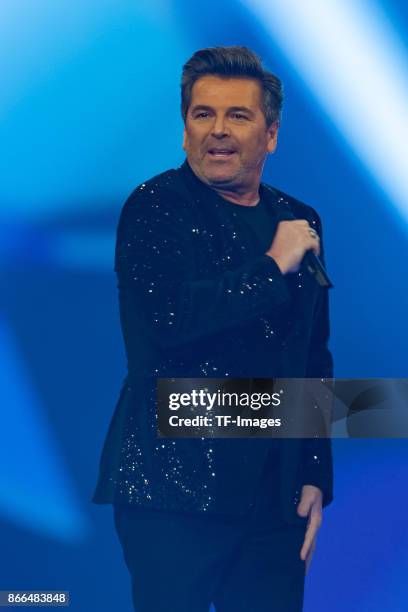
(247, 198)
(242, 195)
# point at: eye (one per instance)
(202, 115)
(239, 116)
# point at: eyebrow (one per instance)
(230, 109)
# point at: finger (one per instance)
(311, 232)
(307, 542)
(316, 515)
(304, 506)
(313, 244)
(310, 498)
(307, 500)
(310, 556)
(310, 535)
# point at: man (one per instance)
(211, 284)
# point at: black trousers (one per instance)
(181, 562)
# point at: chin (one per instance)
(220, 177)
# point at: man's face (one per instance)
(225, 134)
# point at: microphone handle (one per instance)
(315, 267)
(313, 264)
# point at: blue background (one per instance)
(89, 109)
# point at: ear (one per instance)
(272, 135)
(185, 139)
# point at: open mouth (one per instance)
(220, 153)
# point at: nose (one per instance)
(220, 127)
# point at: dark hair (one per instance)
(232, 62)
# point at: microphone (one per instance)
(313, 264)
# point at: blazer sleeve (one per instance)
(320, 360)
(155, 262)
(317, 468)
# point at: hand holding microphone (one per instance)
(296, 241)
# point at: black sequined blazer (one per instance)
(198, 299)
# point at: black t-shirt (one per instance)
(258, 218)
(262, 223)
